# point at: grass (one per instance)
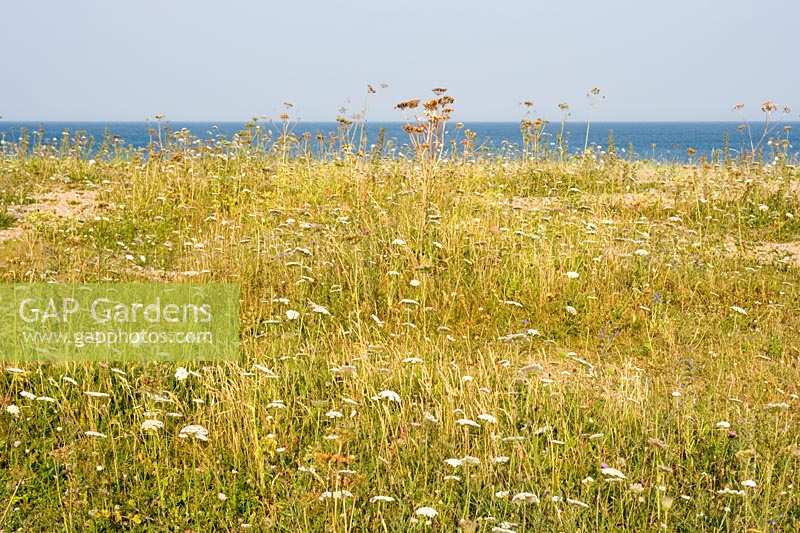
(671, 357)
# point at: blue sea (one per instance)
(663, 141)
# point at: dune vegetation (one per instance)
(435, 340)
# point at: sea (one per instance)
(661, 141)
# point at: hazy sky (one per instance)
(235, 59)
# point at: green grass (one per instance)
(639, 378)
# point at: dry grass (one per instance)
(461, 367)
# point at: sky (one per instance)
(232, 60)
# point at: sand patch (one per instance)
(782, 252)
(77, 205)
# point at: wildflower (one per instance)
(454, 462)
(749, 483)
(636, 488)
(430, 418)
(502, 494)
(389, 395)
(12, 409)
(641, 252)
(152, 425)
(467, 422)
(470, 460)
(571, 310)
(14, 370)
(413, 360)
(194, 430)
(47, 399)
(427, 512)
(525, 497)
(335, 494)
(276, 404)
(730, 492)
(95, 434)
(500, 459)
(221, 496)
(573, 275)
(612, 472)
(27, 395)
(486, 417)
(94, 394)
(415, 283)
(316, 308)
(723, 424)
(781, 406)
(577, 503)
(381, 499)
(398, 242)
(334, 414)
(70, 380)
(181, 373)
(740, 310)
(291, 314)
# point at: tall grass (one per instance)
(564, 343)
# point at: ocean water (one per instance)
(663, 141)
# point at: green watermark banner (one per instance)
(119, 322)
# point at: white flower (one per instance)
(642, 252)
(316, 308)
(70, 380)
(181, 373)
(578, 503)
(454, 462)
(723, 424)
(501, 459)
(636, 488)
(415, 283)
(571, 310)
(276, 404)
(467, 422)
(612, 472)
(470, 460)
(335, 494)
(381, 498)
(749, 483)
(334, 414)
(94, 394)
(194, 430)
(95, 434)
(730, 492)
(45, 399)
(389, 395)
(573, 275)
(12, 409)
(291, 314)
(740, 310)
(152, 425)
(427, 512)
(486, 417)
(413, 360)
(398, 242)
(501, 494)
(221, 496)
(27, 395)
(525, 497)
(14, 370)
